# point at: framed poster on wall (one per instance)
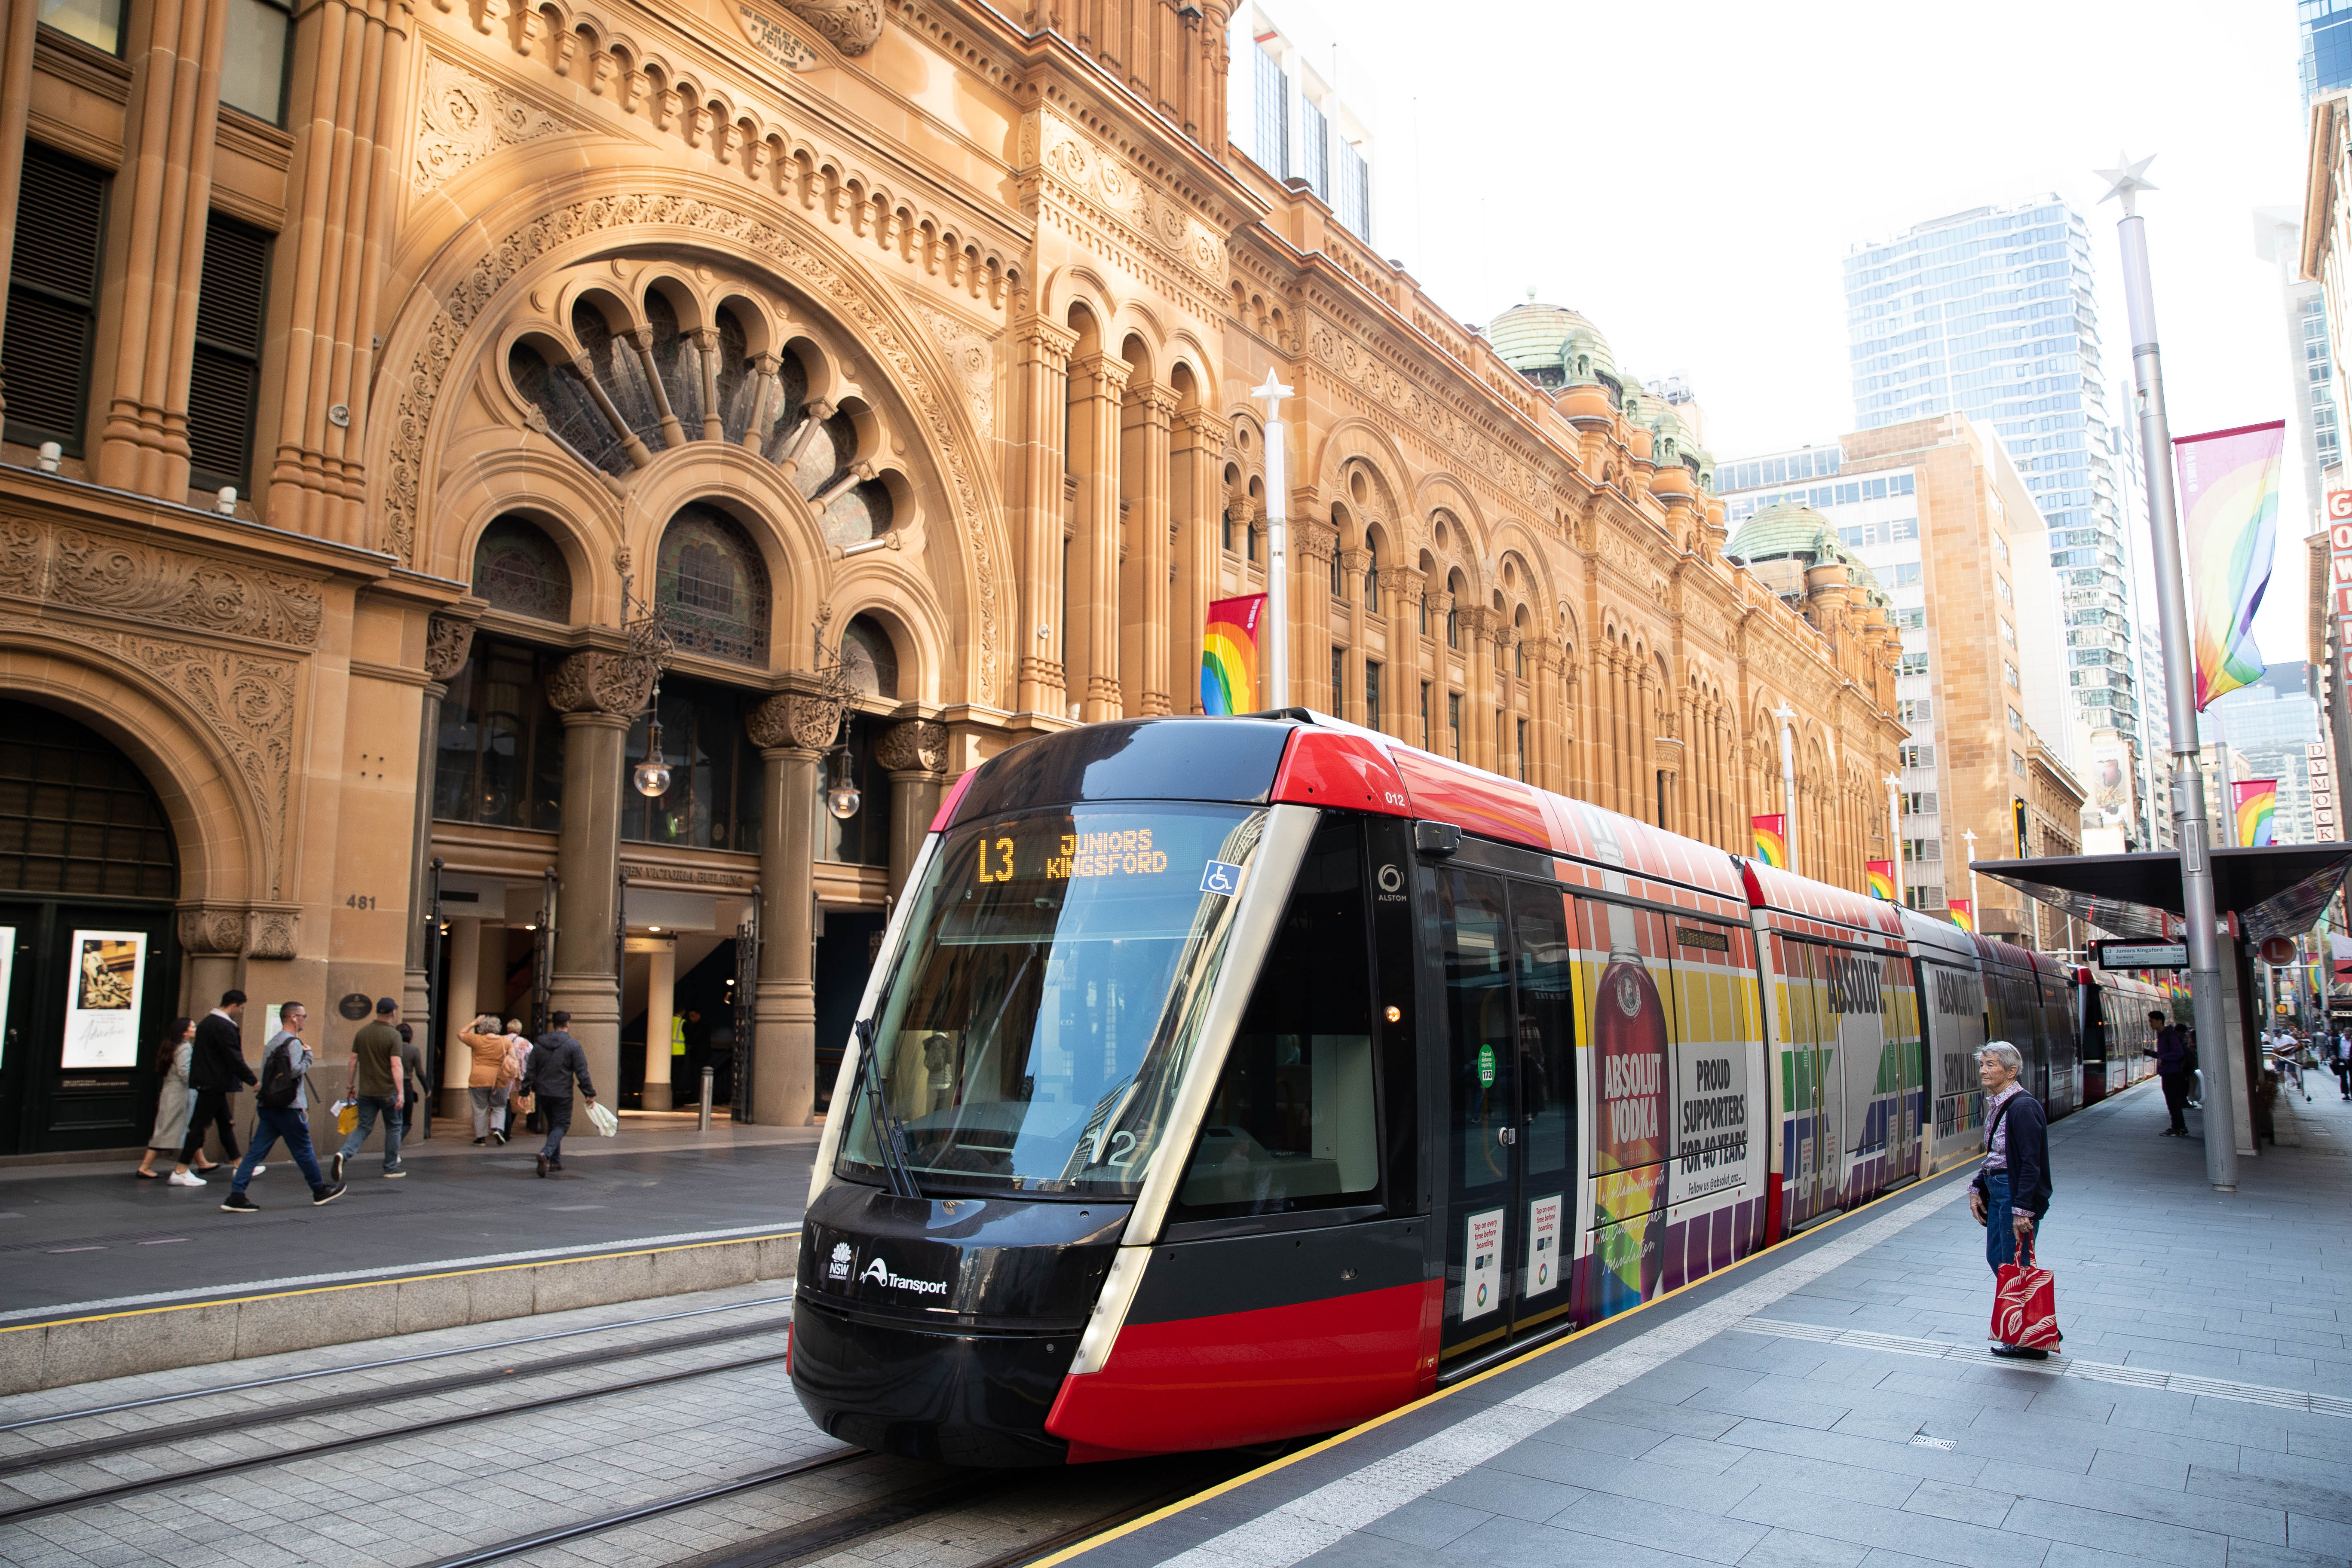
(103, 986)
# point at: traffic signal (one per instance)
(2017, 822)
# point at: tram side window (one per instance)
(1293, 1123)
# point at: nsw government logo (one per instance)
(839, 1267)
(878, 1272)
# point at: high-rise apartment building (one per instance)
(1934, 514)
(1989, 313)
(1285, 111)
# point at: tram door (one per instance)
(1510, 1157)
(1812, 1087)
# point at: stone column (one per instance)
(464, 1001)
(1353, 564)
(16, 44)
(1313, 545)
(155, 246)
(1044, 404)
(350, 124)
(915, 755)
(791, 729)
(1195, 500)
(1145, 418)
(599, 694)
(1098, 394)
(1440, 673)
(661, 998)
(1401, 599)
(212, 946)
(448, 641)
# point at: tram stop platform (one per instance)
(103, 1275)
(1830, 1402)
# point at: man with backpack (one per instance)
(282, 1110)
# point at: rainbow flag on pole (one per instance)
(1229, 655)
(1771, 839)
(2229, 510)
(1964, 913)
(2257, 804)
(1882, 879)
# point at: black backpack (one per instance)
(280, 1081)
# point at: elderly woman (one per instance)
(2011, 1195)
(490, 1078)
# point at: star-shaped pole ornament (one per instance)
(2127, 180)
(1274, 391)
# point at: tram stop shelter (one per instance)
(2273, 890)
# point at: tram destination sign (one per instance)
(2140, 954)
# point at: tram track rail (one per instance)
(98, 1496)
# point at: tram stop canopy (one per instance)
(2278, 890)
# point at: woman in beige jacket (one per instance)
(491, 1080)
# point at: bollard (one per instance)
(702, 1123)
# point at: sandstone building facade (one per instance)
(375, 371)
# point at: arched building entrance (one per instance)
(88, 959)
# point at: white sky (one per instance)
(1690, 175)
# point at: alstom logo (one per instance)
(878, 1272)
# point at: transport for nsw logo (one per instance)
(878, 1272)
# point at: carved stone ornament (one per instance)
(272, 934)
(446, 643)
(850, 25)
(212, 932)
(919, 745)
(155, 584)
(1666, 753)
(597, 681)
(792, 719)
(673, 219)
(463, 119)
(771, 39)
(968, 357)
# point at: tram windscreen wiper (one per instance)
(889, 1132)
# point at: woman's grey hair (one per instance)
(2005, 1054)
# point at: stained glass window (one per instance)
(713, 587)
(517, 567)
(869, 657)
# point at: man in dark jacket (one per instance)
(555, 1061)
(2010, 1197)
(216, 1070)
(2171, 1054)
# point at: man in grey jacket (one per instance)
(282, 1110)
(555, 1061)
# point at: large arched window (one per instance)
(712, 587)
(75, 816)
(517, 567)
(868, 657)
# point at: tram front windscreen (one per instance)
(1039, 1014)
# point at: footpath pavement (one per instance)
(78, 1239)
(1833, 1403)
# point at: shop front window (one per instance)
(500, 761)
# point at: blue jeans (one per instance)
(292, 1124)
(2001, 1238)
(369, 1105)
(557, 1111)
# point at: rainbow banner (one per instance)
(1881, 874)
(1229, 655)
(2228, 510)
(1964, 913)
(2257, 804)
(1771, 839)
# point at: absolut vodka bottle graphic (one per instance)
(1629, 1039)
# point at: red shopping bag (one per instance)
(2025, 1303)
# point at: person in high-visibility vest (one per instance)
(678, 1090)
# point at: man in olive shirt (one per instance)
(377, 1082)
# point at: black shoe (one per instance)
(326, 1194)
(501, 1138)
(479, 1141)
(555, 1161)
(335, 1169)
(2019, 1352)
(393, 1173)
(237, 1203)
(543, 1164)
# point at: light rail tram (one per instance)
(1223, 1081)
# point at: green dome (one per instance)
(1791, 530)
(1533, 337)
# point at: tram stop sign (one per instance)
(2278, 951)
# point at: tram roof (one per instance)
(1772, 887)
(2275, 890)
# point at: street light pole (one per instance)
(2198, 902)
(1277, 543)
(1976, 912)
(1894, 831)
(1788, 716)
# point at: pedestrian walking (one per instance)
(555, 1062)
(490, 1078)
(216, 1070)
(413, 1110)
(170, 1130)
(281, 1109)
(2340, 1055)
(375, 1083)
(2011, 1194)
(2172, 1070)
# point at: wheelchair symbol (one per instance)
(1221, 877)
